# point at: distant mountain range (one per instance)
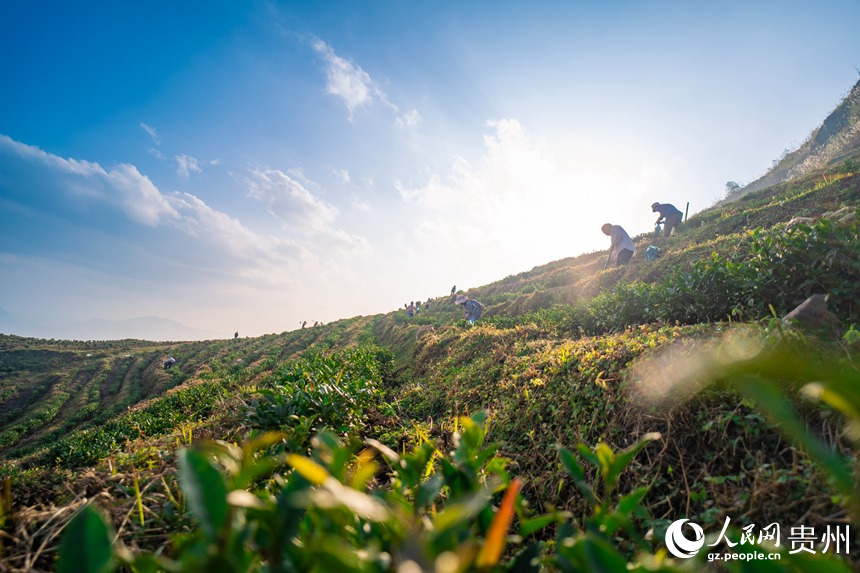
(836, 140)
(142, 328)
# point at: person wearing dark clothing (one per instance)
(670, 216)
(453, 289)
(473, 308)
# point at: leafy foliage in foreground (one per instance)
(440, 512)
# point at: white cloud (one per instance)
(179, 251)
(186, 164)
(519, 203)
(410, 119)
(140, 199)
(349, 82)
(515, 170)
(360, 205)
(290, 202)
(151, 132)
(232, 238)
(122, 186)
(463, 185)
(304, 216)
(342, 175)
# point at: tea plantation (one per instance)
(586, 412)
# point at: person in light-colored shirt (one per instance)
(622, 246)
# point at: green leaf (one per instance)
(586, 453)
(205, 490)
(457, 513)
(334, 494)
(527, 560)
(606, 459)
(252, 469)
(771, 399)
(577, 473)
(629, 503)
(86, 546)
(308, 469)
(150, 563)
(592, 553)
(387, 452)
(623, 459)
(426, 493)
(535, 524)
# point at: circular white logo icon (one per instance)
(677, 542)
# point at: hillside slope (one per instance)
(836, 140)
(554, 361)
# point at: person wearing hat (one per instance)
(473, 308)
(622, 246)
(670, 216)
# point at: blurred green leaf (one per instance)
(205, 491)
(335, 494)
(535, 524)
(589, 552)
(309, 469)
(457, 513)
(86, 545)
(527, 560)
(770, 397)
(577, 473)
(623, 458)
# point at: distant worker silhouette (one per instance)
(668, 213)
(622, 246)
(236, 335)
(453, 289)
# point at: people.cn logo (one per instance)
(677, 542)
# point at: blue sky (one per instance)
(250, 165)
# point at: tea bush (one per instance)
(780, 268)
(322, 391)
(461, 511)
(86, 447)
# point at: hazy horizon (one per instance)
(247, 166)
